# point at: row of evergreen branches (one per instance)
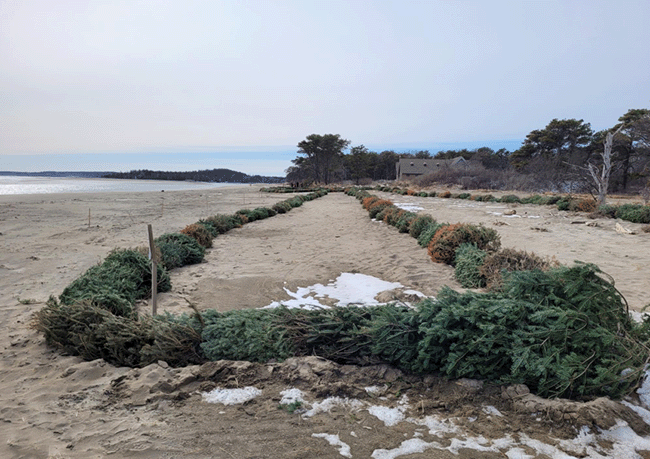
(563, 332)
(95, 316)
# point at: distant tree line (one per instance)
(554, 158)
(214, 175)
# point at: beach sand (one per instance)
(59, 406)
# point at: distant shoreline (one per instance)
(204, 176)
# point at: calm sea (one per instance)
(10, 184)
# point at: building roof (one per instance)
(414, 166)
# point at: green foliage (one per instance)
(428, 232)
(223, 223)
(469, 259)
(248, 334)
(282, 207)
(115, 284)
(563, 333)
(179, 250)
(291, 407)
(510, 198)
(634, 213)
(392, 334)
(466, 335)
(535, 199)
(403, 223)
(484, 198)
(296, 201)
(607, 210)
(432, 194)
(419, 224)
(563, 204)
(464, 196)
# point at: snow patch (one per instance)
(290, 396)
(644, 391)
(347, 289)
(332, 402)
(231, 396)
(412, 446)
(334, 440)
(410, 207)
(489, 409)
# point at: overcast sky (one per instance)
(207, 76)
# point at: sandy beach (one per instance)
(60, 406)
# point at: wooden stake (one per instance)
(154, 272)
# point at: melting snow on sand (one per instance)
(346, 289)
(587, 444)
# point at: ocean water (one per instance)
(15, 185)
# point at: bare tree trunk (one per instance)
(601, 178)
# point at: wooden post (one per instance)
(89, 217)
(154, 272)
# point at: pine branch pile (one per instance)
(95, 333)
(117, 283)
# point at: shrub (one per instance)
(444, 194)
(423, 194)
(443, 245)
(510, 198)
(563, 203)
(509, 260)
(419, 224)
(411, 192)
(634, 213)
(464, 196)
(179, 250)
(432, 194)
(199, 233)
(469, 259)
